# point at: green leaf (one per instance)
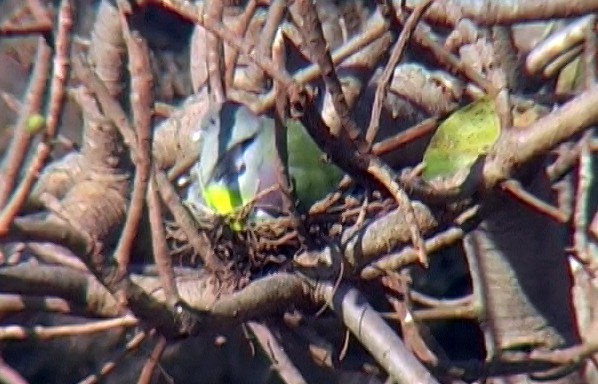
(460, 139)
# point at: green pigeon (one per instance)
(237, 164)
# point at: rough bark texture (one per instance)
(523, 281)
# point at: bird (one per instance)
(237, 164)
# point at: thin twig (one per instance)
(192, 13)
(409, 255)
(558, 42)
(241, 30)
(594, 226)
(554, 68)
(384, 174)
(60, 75)
(9, 30)
(19, 146)
(384, 81)
(413, 333)
(19, 197)
(514, 189)
(141, 101)
(276, 14)
(30, 303)
(281, 361)
(109, 366)
(182, 167)
(39, 332)
(213, 11)
(152, 361)
(10, 375)
(434, 302)
(281, 149)
(423, 36)
(197, 239)
(53, 254)
(589, 53)
(39, 11)
(311, 29)
(312, 72)
(582, 195)
(159, 246)
(467, 311)
(405, 137)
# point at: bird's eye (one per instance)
(240, 165)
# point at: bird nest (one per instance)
(259, 247)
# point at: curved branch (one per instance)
(496, 12)
(376, 335)
(517, 148)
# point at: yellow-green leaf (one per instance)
(460, 139)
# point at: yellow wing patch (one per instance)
(223, 201)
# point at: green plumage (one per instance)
(312, 175)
